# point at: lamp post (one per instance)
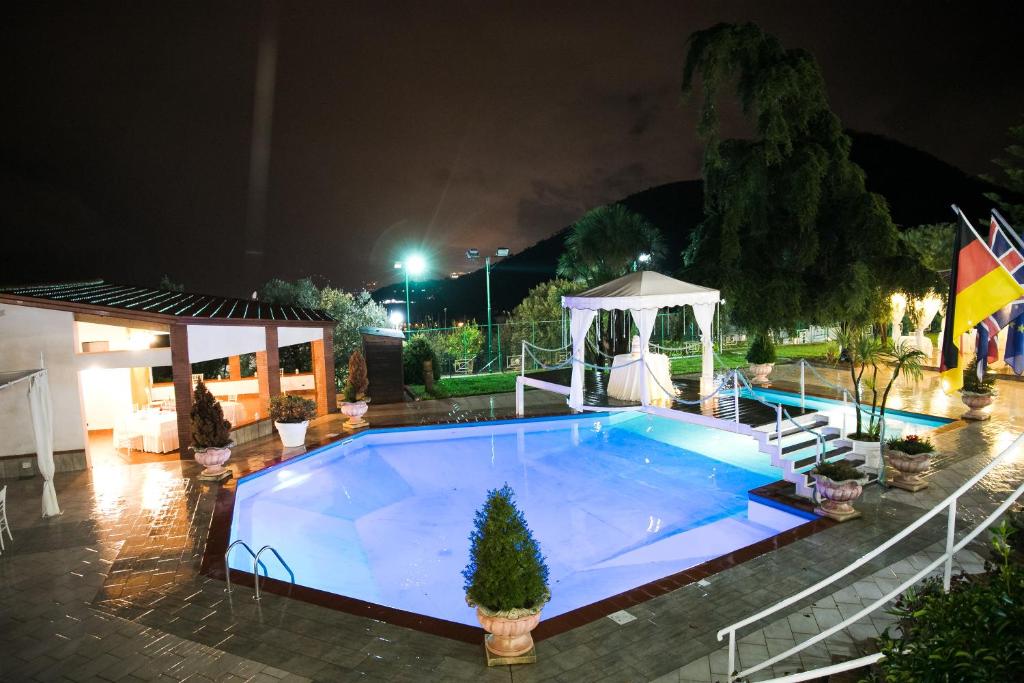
(413, 265)
(472, 254)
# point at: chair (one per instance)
(125, 436)
(3, 518)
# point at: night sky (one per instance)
(126, 129)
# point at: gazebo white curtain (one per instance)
(642, 294)
(41, 408)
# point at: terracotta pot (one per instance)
(292, 433)
(837, 496)
(355, 412)
(213, 460)
(909, 468)
(508, 637)
(977, 404)
(760, 371)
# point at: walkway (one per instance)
(110, 590)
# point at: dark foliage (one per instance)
(762, 350)
(292, 409)
(841, 470)
(209, 428)
(985, 385)
(506, 569)
(911, 445)
(416, 351)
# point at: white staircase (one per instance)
(795, 450)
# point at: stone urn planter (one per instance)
(509, 633)
(292, 433)
(977, 404)
(909, 469)
(837, 484)
(355, 411)
(213, 460)
(760, 372)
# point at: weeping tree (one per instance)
(791, 236)
(606, 243)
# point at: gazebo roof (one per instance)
(641, 290)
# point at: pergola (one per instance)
(641, 293)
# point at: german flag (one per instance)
(978, 287)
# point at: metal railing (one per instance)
(946, 559)
(256, 565)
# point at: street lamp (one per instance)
(413, 265)
(500, 252)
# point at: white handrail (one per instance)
(948, 504)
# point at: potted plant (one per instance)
(977, 393)
(838, 485)
(910, 457)
(866, 354)
(761, 356)
(506, 579)
(291, 416)
(354, 391)
(211, 434)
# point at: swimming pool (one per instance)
(897, 422)
(615, 501)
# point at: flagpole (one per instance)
(984, 243)
(1005, 225)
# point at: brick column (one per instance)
(268, 371)
(234, 367)
(323, 373)
(181, 373)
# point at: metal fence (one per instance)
(675, 333)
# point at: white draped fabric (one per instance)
(899, 309)
(641, 293)
(927, 309)
(579, 325)
(704, 314)
(42, 427)
(644, 319)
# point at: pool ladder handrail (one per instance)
(256, 564)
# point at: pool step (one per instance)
(809, 443)
(819, 421)
(829, 455)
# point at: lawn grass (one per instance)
(503, 382)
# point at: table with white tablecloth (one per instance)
(624, 379)
(157, 429)
(233, 411)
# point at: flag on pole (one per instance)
(1014, 353)
(979, 285)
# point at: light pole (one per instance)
(412, 265)
(500, 252)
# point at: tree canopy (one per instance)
(790, 233)
(1012, 166)
(608, 242)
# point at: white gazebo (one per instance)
(42, 427)
(642, 294)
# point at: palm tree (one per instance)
(867, 353)
(608, 242)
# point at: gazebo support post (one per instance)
(181, 374)
(234, 367)
(323, 374)
(268, 372)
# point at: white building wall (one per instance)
(24, 333)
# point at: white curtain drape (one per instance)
(579, 325)
(644, 319)
(42, 427)
(899, 309)
(705, 316)
(927, 309)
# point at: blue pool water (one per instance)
(615, 501)
(897, 422)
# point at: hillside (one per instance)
(918, 186)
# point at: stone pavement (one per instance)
(110, 590)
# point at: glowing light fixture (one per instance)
(415, 264)
(644, 258)
(396, 318)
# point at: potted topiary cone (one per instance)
(506, 579)
(761, 356)
(354, 405)
(838, 485)
(211, 435)
(291, 416)
(977, 394)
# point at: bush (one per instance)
(291, 409)
(762, 350)
(986, 385)
(975, 632)
(506, 570)
(416, 351)
(209, 428)
(357, 378)
(911, 445)
(841, 470)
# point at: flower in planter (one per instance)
(911, 445)
(841, 470)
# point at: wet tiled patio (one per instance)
(111, 590)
